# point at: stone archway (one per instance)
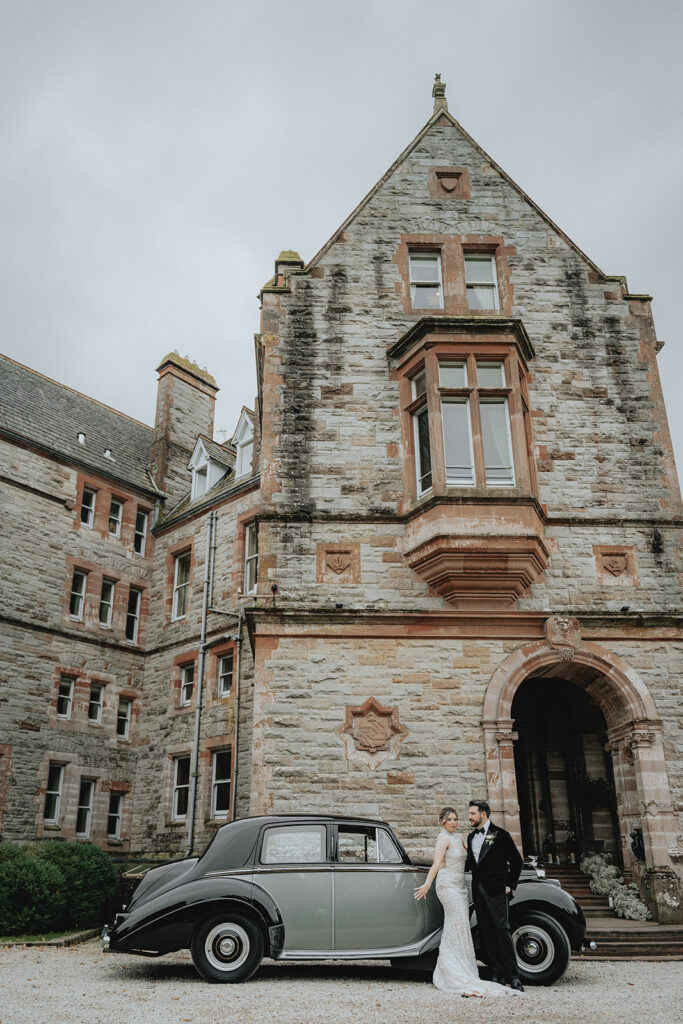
(634, 733)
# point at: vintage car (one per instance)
(320, 887)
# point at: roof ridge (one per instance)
(73, 391)
(436, 116)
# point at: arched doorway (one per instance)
(565, 783)
(634, 745)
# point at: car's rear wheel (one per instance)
(541, 947)
(227, 948)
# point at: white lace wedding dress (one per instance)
(456, 969)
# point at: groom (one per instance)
(495, 863)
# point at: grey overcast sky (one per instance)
(156, 155)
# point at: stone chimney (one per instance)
(186, 397)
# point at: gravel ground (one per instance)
(82, 985)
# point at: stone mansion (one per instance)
(440, 558)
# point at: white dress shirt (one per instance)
(478, 840)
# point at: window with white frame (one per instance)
(244, 445)
(186, 684)
(115, 517)
(114, 815)
(480, 280)
(225, 668)
(65, 696)
(95, 704)
(181, 585)
(426, 291)
(84, 810)
(123, 716)
(133, 614)
(200, 481)
(457, 426)
(53, 794)
(140, 538)
(495, 424)
(250, 558)
(221, 765)
(77, 598)
(181, 787)
(421, 441)
(107, 602)
(88, 506)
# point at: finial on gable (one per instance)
(439, 94)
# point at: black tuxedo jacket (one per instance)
(499, 864)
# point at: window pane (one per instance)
(357, 845)
(426, 296)
(479, 270)
(423, 461)
(419, 384)
(64, 698)
(490, 375)
(482, 297)
(95, 704)
(183, 771)
(424, 268)
(303, 844)
(225, 675)
(452, 375)
(252, 540)
(132, 615)
(114, 816)
(140, 532)
(388, 852)
(183, 570)
(457, 442)
(84, 808)
(495, 434)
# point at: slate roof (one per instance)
(224, 455)
(50, 415)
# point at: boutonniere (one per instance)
(489, 838)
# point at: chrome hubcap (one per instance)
(227, 946)
(534, 948)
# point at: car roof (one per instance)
(322, 818)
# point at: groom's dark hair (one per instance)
(482, 805)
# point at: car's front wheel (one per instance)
(227, 948)
(542, 949)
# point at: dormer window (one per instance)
(210, 462)
(243, 441)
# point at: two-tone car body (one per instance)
(318, 887)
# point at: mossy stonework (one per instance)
(419, 631)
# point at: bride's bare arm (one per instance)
(439, 854)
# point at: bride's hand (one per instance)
(421, 892)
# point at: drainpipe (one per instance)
(194, 764)
(235, 745)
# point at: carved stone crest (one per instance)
(615, 564)
(338, 563)
(563, 633)
(372, 733)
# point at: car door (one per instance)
(293, 864)
(374, 903)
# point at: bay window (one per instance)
(466, 416)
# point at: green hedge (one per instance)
(53, 886)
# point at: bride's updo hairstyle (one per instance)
(445, 811)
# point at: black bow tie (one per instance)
(480, 831)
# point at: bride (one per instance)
(456, 969)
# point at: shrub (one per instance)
(90, 879)
(33, 894)
(606, 881)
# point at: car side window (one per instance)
(388, 851)
(357, 844)
(294, 844)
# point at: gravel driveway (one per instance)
(82, 985)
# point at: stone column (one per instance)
(661, 881)
(505, 738)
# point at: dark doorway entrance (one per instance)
(564, 776)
